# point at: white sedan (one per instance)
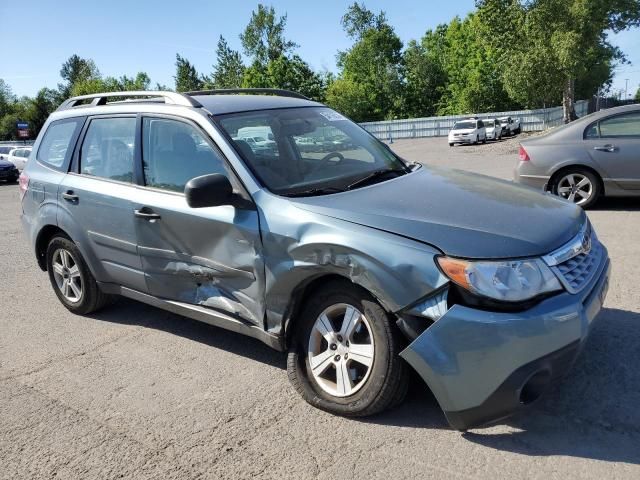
(19, 157)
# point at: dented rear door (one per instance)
(203, 256)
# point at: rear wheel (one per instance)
(450, 144)
(344, 358)
(71, 279)
(579, 186)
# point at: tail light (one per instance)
(24, 184)
(524, 156)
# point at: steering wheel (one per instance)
(324, 161)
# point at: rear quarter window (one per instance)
(58, 141)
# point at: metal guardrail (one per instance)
(530, 121)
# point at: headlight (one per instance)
(506, 280)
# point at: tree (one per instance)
(637, 97)
(76, 70)
(7, 98)
(39, 109)
(111, 84)
(371, 68)
(229, 69)
(187, 78)
(263, 38)
(358, 20)
(565, 39)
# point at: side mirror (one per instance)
(208, 191)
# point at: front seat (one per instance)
(175, 167)
(266, 173)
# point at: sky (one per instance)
(124, 37)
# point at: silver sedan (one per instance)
(596, 155)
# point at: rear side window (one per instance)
(57, 143)
(108, 147)
(174, 152)
(621, 126)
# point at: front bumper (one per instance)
(462, 139)
(4, 174)
(483, 366)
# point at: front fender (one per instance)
(396, 270)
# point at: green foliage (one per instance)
(110, 84)
(551, 49)
(637, 97)
(187, 78)
(76, 70)
(229, 69)
(263, 39)
(371, 68)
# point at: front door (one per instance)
(97, 194)
(614, 143)
(203, 256)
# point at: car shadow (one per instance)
(621, 204)
(592, 413)
(130, 312)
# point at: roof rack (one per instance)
(101, 98)
(256, 91)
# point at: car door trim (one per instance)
(196, 312)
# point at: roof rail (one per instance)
(258, 91)
(101, 98)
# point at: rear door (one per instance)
(614, 144)
(95, 199)
(211, 257)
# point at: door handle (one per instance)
(606, 148)
(70, 196)
(146, 213)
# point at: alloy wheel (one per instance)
(67, 275)
(341, 350)
(576, 188)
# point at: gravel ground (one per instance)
(135, 392)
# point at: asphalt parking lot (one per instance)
(136, 392)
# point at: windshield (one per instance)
(489, 123)
(464, 125)
(6, 149)
(314, 150)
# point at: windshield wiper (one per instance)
(313, 191)
(372, 176)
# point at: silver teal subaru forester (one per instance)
(274, 216)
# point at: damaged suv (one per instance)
(356, 262)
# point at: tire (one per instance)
(385, 382)
(562, 185)
(477, 140)
(484, 140)
(451, 144)
(62, 252)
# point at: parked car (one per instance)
(19, 157)
(468, 131)
(5, 149)
(493, 129)
(8, 171)
(594, 156)
(510, 126)
(356, 262)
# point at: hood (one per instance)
(5, 163)
(462, 214)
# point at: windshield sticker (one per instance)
(332, 116)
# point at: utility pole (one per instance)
(626, 85)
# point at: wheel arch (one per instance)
(304, 290)
(45, 235)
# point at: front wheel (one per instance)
(579, 186)
(344, 357)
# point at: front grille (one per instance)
(576, 272)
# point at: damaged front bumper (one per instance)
(483, 366)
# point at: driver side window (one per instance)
(174, 152)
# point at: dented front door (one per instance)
(207, 256)
(203, 256)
